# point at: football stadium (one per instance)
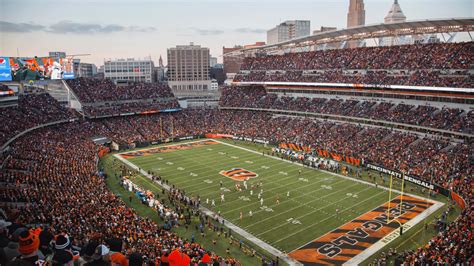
(343, 146)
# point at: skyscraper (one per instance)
(356, 14)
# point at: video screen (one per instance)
(35, 68)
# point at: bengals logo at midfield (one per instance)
(238, 174)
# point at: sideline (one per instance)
(272, 250)
(331, 173)
(388, 238)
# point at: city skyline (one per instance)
(124, 28)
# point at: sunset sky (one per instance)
(140, 28)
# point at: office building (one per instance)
(86, 70)
(212, 61)
(188, 68)
(214, 85)
(130, 69)
(289, 30)
(57, 54)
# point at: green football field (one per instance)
(311, 202)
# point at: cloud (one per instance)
(207, 32)
(82, 28)
(250, 30)
(141, 29)
(66, 27)
(19, 27)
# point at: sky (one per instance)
(111, 29)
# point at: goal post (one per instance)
(390, 199)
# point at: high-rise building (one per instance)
(212, 61)
(160, 62)
(86, 70)
(395, 14)
(129, 69)
(355, 17)
(57, 54)
(160, 71)
(288, 30)
(356, 14)
(188, 68)
(83, 70)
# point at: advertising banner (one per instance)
(339, 157)
(218, 136)
(295, 147)
(411, 179)
(5, 69)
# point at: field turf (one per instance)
(311, 203)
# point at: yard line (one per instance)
(335, 174)
(228, 164)
(255, 203)
(207, 187)
(259, 158)
(301, 195)
(268, 180)
(306, 228)
(294, 208)
(231, 182)
(272, 250)
(278, 186)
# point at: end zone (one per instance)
(167, 148)
(357, 240)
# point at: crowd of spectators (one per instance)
(453, 119)
(372, 77)
(117, 108)
(50, 179)
(444, 65)
(32, 110)
(59, 189)
(102, 97)
(413, 57)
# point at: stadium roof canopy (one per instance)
(372, 32)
